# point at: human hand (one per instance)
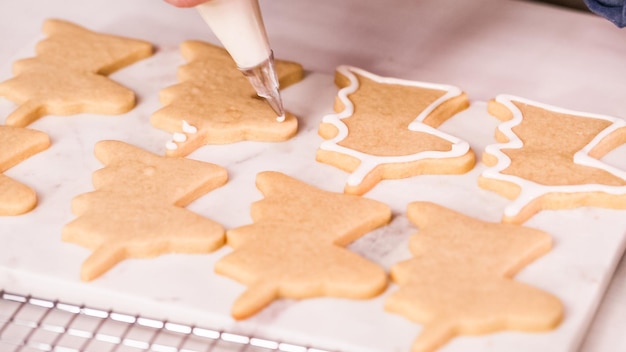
(185, 3)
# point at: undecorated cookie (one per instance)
(137, 208)
(294, 248)
(68, 74)
(386, 128)
(459, 281)
(548, 158)
(16, 145)
(214, 103)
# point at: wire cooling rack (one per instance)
(30, 324)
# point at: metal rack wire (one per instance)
(30, 324)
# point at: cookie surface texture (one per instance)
(294, 248)
(548, 158)
(16, 145)
(218, 102)
(385, 128)
(68, 74)
(136, 210)
(459, 281)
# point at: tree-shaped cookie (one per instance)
(459, 281)
(385, 128)
(137, 209)
(548, 158)
(294, 247)
(16, 145)
(218, 102)
(68, 74)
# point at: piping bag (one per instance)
(238, 25)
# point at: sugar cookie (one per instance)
(294, 247)
(459, 281)
(385, 128)
(68, 74)
(16, 145)
(218, 102)
(137, 209)
(548, 158)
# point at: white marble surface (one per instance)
(486, 47)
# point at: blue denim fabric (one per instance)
(612, 10)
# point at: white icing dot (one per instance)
(171, 145)
(280, 118)
(188, 128)
(179, 137)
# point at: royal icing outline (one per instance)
(370, 162)
(529, 190)
(181, 137)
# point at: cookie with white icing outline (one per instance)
(68, 75)
(218, 102)
(548, 158)
(137, 208)
(16, 145)
(386, 128)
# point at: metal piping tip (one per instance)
(264, 80)
(276, 102)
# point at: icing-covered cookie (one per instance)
(548, 158)
(386, 128)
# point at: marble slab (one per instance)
(588, 242)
